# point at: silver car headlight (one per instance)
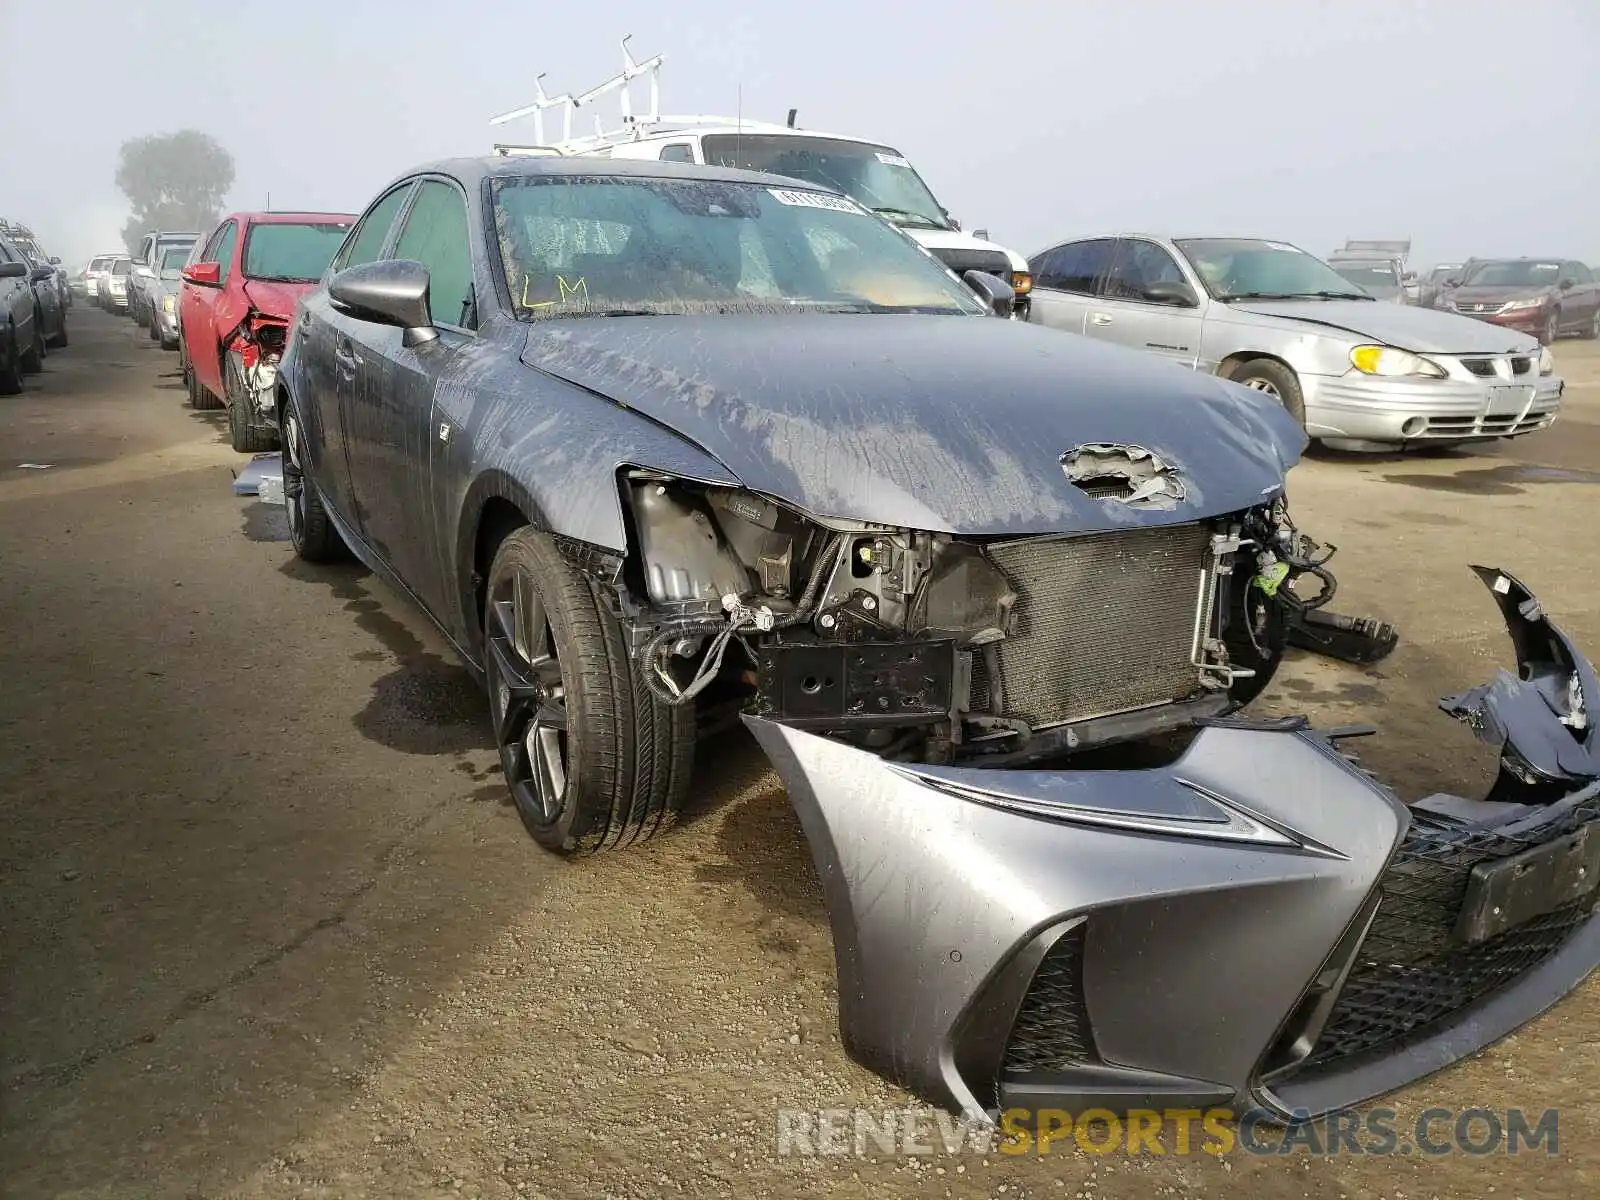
(1547, 361)
(1389, 362)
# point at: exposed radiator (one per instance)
(1105, 623)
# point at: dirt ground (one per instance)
(270, 931)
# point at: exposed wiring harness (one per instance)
(654, 655)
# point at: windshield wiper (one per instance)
(1297, 296)
(905, 216)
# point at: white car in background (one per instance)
(1358, 373)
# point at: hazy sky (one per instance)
(1472, 126)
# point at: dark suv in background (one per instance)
(1547, 297)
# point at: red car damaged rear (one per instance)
(238, 296)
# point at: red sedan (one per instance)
(238, 297)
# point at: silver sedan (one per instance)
(1358, 373)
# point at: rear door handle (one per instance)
(1099, 318)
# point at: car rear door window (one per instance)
(1136, 265)
(372, 231)
(1075, 267)
(436, 235)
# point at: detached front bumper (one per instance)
(1391, 412)
(1257, 923)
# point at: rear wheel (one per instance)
(1593, 332)
(199, 397)
(593, 760)
(59, 342)
(10, 364)
(33, 356)
(1272, 378)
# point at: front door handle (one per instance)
(305, 322)
(1099, 318)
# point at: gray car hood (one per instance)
(1423, 330)
(943, 423)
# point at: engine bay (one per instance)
(933, 648)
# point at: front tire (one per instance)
(1272, 378)
(1593, 333)
(59, 342)
(593, 759)
(246, 436)
(311, 531)
(1552, 328)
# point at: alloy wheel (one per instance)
(1264, 385)
(294, 476)
(528, 698)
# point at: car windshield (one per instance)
(875, 176)
(122, 266)
(1522, 273)
(1245, 268)
(294, 252)
(172, 261)
(1378, 278)
(585, 246)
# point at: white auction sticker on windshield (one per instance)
(893, 160)
(1284, 246)
(814, 200)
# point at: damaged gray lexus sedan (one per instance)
(655, 444)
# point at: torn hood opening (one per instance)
(949, 424)
(275, 298)
(1421, 330)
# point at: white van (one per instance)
(875, 175)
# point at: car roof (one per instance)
(287, 218)
(472, 171)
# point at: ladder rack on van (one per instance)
(632, 129)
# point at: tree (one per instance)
(173, 181)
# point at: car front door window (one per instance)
(436, 235)
(372, 231)
(1137, 265)
(227, 240)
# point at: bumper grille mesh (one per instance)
(1052, 1029)
(1408, 974)
(1105, 623)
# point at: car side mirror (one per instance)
(13, 270)
(1452, 283)
(1565, 285)
(1175, 293)
(54, 261)
(388, 293)
(981, 234)
(996, 292)
(43, 274)
(205, 274)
